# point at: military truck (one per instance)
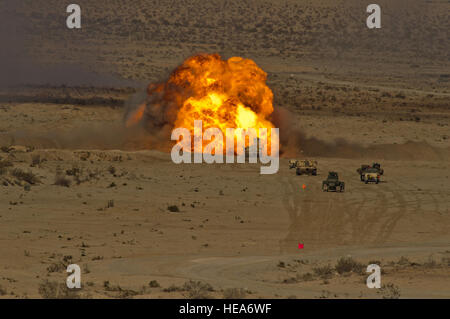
(371, 175)
(332, 183)
(307, 167)
(361, 171)
(378, 167)
(293, 163)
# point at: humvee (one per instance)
(293, 163)
(378, 167)
(332, 183)
(361, 171)
(371, 175)
(307, 167)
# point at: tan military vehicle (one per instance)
(307, 167)
(293, 163)
(361, 171)
(371, 175)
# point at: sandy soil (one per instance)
(72, 190)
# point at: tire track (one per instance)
(313, 219)
(369, 219)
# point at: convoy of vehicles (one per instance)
(368, 174)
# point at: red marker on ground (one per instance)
(300, 246)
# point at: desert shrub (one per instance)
(28, 177)
(56, 267)
(2, 291)
(234, 293)
(74, 171)
(324, 272)
(325, 294)
(197, 289)
(154, 284)
(127, 293)
(305, 277)
(173, 288)
(54, 290)
(61, 180)
(81, 176)
(348, 264)
(390, 291)
(123, 293)
(290, 280)
(173, 208)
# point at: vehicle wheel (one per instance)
(314, 173)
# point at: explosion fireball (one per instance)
(221, 93)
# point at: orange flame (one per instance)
(222, 93)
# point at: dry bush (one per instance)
(234, 293)
(154, 284)
(197, 289)
(347, 265)
(290, 280)
(61, 265)
(173, 208)
(81, 176)
(123, 293)
(54, 290)
(299, 278)
(76, 173)
(61, 180)
(28, 177)
(305, 277)
(389, 291)
(324, 272)
(57, 267)
(173, 288)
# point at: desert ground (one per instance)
(78, 187)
